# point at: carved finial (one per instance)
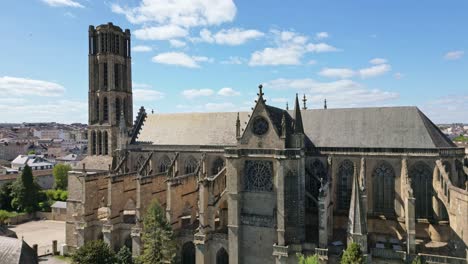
(304, 100)
(325, 104)
(84, 167)
(238, 126)
(152, 111)
(260, 92)
(287, 106)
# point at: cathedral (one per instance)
(264, 185)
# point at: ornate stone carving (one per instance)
(260, 126)
(257, 220)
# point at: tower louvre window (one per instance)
(105, 75)
(117, 110)
(106, 110)
(117, 43)
(116, 75)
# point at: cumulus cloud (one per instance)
(165, 32)
(63, 3)
(340, 93)
(321, 35)
(454, 55)
(142, 48)
(193, 93)
(289, 50)
(147, 95)
(233, 36)
(14, 86)
(345, 73)
(179, 12)
(377, 61)
(227, 91)
(177, 43)
(233, 60)
(180, 59)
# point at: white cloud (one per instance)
(227, 91)
(232, 36)
(141, 85)
(342, 73)
(142, 48)
(374, 71)
(193, 93)
(321, 35)
(165, 32)
(341, 93)
(180, 59)
(62, 3)
(398, 75)
(179, 12)
(147, 95)
(454, 55)
(377, 61)
(21, 86)
(177, 43)
(345, 73)
(289, 50)
(234, 60)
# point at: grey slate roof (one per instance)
(15, 251)
(377, 127)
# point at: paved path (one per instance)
(42, 233)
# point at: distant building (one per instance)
(9, 149)
(70, 159)
(36, 162)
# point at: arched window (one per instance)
(106, 143)
(97, 111)
(164, 164)
(222, 256)
(99, 143)
(105, 110)
(217, 166)
(345, 177)
(315, 172)
(190, 165)
(290, 198)
(384, 188)
(421, 178)
(258, 176)
(93, 142)
(117, 110)
(188, 253)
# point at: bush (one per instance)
(25, 192)
(56, 195)
(5, 215)
(307, 259)
(60, 173)
(94, 252)
(5, 196)
(64, 196)
(124, 256)
(352, 255)
(418, 260)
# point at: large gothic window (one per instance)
(190, 165)
(117, 110)
(217, 166)
(188, 253)
(106, 110)
(290, 198)
(164, 164)
(97, 110)
(105, 142)
(384, 188)
(258, 176)
(99, 143)
(315, 172)
(93, 142)
(345, 177)
(222, 256)
(421, 177)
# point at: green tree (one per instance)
(124, 256)
(94, 252)
(5, 196)
(307, 259)
(60, 173)
(352, 255)
(25, 192)
(418, 260)
(158, 237)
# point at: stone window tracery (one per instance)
(345, 175)
(258, 176)
(384, 188)
(218, 165)
(190, 165)
(421, 182)
(164, 164)
(315, 171)
(260, 126)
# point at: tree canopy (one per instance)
(25, 192)
(158, 237)
(352, 255)
(307, 259)
(60, 173)
(94, 252)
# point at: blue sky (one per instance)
(210, 55)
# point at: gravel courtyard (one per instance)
(42, 233)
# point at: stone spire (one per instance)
(357, 222)
(123, 133)
(298, 127)
(304, 102)
(238, 126)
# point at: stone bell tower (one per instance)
(110, 87)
